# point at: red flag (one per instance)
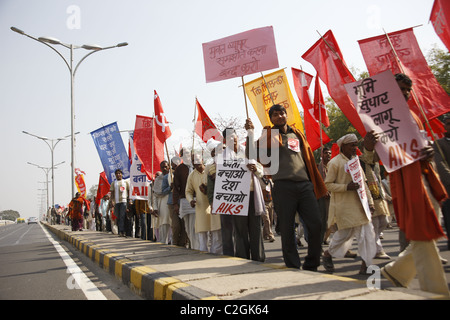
(103, 187)
(326, 57)
(302, 81)
(440, 18)
(320, 112)
(143, 140)
(79, 181)
(162, 130)
(379, 56)
(204, 126)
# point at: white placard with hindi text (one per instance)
(382, 108)
(231, 188)
(355, 170)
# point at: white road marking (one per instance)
(82, 281)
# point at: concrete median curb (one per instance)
(156, 271)
(143, 280)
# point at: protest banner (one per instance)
(355, 170)
(111, 150)
(139, 183)
(399, 51)
(326, 57)
(231, 188)
(271, 89)
(204, 126)
(240, 54)
(382, 108)
(314, 133)
(440, 18)
(103, 187)
(149, 150)
(79, 181)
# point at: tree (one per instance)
(439, 62)
(92, 192)
(9, 215)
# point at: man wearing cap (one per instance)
(347, 208)
(297, 185)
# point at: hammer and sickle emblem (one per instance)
(163, 121)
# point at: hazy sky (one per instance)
(164, 54)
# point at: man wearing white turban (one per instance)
(347, 208)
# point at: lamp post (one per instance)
(46, 184)
(46, 171)
(93, 48)
(52, 145)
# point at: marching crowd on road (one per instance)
(319, 201)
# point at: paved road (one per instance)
(32, 268)
(35, 265)
(350, 267)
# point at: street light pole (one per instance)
(52, 146)
(94, 48)
(46, 171)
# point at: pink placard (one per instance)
(240, 54)
(382, 108)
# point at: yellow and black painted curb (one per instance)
(145, 281)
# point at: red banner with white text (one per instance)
(401, 53)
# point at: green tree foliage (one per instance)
(339, 124)
(9, 215)
(439, 62)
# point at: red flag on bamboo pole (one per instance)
(327, 59)
(302, 81)
(440, 18)
(162, 130)
(401, 53)
(320, 112)
(103, 187)
(149, 150)
(204, 126)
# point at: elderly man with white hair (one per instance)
(347, 208)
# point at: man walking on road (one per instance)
(120, 190)
(297, 186)
(416, 192)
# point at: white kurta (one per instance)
(204, 221)
(346, 208)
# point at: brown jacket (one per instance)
(320, 189)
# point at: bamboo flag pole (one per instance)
(245, 98)
(320, 119)
(153, 178)
(195, 123)
(412, 89)
(267, 87)
(335, 53)
(433, 136)
(168, 159)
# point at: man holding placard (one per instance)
(416, 192)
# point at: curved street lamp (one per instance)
(52, 145)
(48, 41)
(46, 171)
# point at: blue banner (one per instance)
(112, 151)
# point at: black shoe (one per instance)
(327, 262)
(314, 269)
